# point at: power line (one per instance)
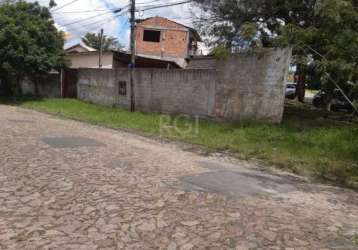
(93, 23)
(91, 10)
(329, 76)
(150, 3)
(63, 6)
(166, 5)
(108, 11)
(154, 1)
(83, 11)
(91, 17)
(100, 22)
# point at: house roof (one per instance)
(194, 31)
(82, 45)
(125, 57)
(180, 63)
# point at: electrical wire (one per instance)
(154, 1)
(83, 11)
(146, 6)
(91, 17)
(63, 6)
(100, 21)
(165, 5)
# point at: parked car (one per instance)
(291, 91)
(337, 102)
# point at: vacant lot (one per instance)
(307, 142)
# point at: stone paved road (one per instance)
(123, 191)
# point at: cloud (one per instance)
(82, 16)
(178, 13)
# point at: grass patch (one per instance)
(308, 141)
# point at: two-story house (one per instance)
(160, 43)
(164, 38)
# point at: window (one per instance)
(122, 88)
(151, 36)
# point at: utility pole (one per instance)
(100, 49)
(132, 47)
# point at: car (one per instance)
(291, 91)
(335, 102)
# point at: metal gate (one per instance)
(69, 83)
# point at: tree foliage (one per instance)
(323, 33)
(108, 43)
(227, 21)
(331, 41)
(30, 44)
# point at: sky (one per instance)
(69, 16)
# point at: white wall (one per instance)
(90, 60)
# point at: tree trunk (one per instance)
(36, 83)
(300, 83)
(18, 91)
(5, 89)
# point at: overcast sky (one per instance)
(68, 13)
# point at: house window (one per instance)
(122, 88)
(151, 36)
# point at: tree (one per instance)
(242, 24)
(29, 42)
(232, 21)
(108, 43)
(330, 43)
(52, 4)
(323, 33)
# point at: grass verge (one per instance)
(307, 142)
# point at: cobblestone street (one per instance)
(70, 185)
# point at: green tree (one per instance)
(236, 23)
(323, 33)
(29, 42)
(108, 43)
(243, 24)
(330, 42)
(52, 4)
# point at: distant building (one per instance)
(79, 48)
(162, 38)
(83, 56)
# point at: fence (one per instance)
(242, 87)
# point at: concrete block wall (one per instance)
(243, 87)
(190, 92)
(165, 91)
(251, 86)
(101, 86)
(47, 86)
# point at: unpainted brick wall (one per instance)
(243, 87)
(174, 38)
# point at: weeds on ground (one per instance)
(308, 141)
